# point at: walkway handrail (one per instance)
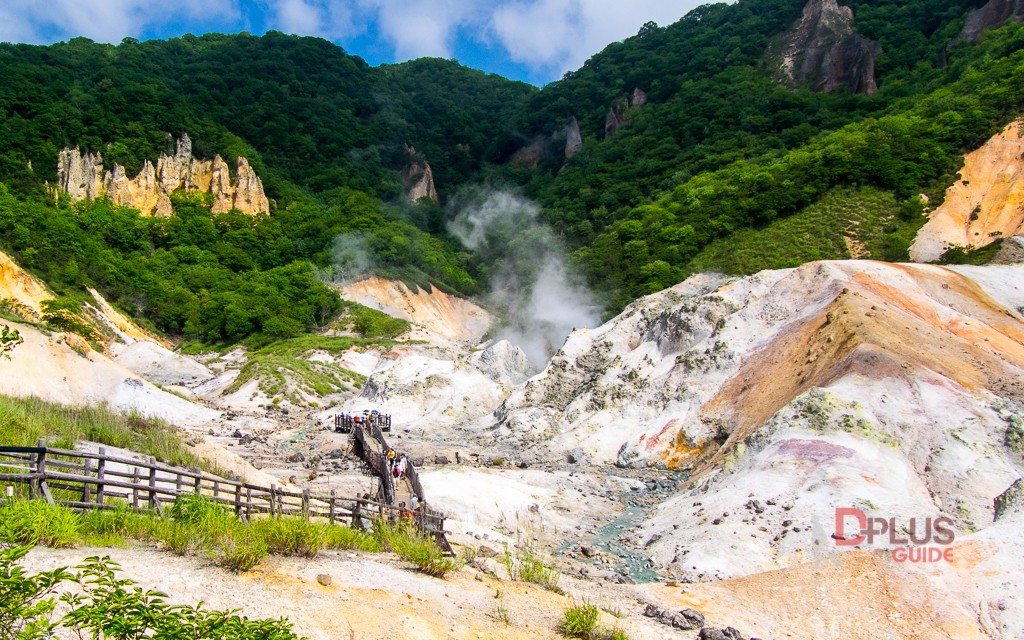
(87, 480)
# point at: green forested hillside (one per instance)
(716, 171)
(722, 148)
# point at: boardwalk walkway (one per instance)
(86, 480)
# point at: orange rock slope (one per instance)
(985, 204)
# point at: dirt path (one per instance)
(370, 596)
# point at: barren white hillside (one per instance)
(896, 389)
(63, 368)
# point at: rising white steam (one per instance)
(531, 283)
(350, 258)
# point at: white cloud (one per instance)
(15, 26)
(101, 20)
(548, 36)
(297, 16)
(417, 28)
(559, 35)
(331, 19)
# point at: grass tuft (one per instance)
(419, 549)
(30, 522)
(526, 566)
(580, 621)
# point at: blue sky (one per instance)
(532, 40)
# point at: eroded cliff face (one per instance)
(995, 13)
(419, 180)
(82, 177)
(573, 138)
(823, 50)
(21, 290)
(987, 202)
(617, 113)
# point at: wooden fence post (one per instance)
(332, 507)
(153, 502)
(248, 502)
(238, 503)
(100, 472)
(86, 487)
(135, 488)
(198, 483)
(273, 490)
(305, 504)
(41, 470)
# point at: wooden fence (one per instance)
(82, 480)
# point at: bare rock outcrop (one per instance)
(823, 50)
(20, 291)
(573, 138)
(82, 177)
(987, 202)
(503, 362)
(418, 178)
(616, 116)
(995, 13)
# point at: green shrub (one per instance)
(242, 551)
(580, 621)
(115, 609)
(291, 536)
(37, 522)
(25, 603)
(421, 550)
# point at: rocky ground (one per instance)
(688, 454)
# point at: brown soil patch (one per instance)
(859, 595)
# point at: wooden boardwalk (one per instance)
(84, 480)
(371, 447)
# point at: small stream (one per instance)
(627, 561)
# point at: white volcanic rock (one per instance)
(503, 362)
(895, 389)
(161, 366)
(61, 368)
(678, 372)
(429, 389)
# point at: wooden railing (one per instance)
(378, 463)
(84, 480)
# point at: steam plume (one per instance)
(531, 283)
(350, 258)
